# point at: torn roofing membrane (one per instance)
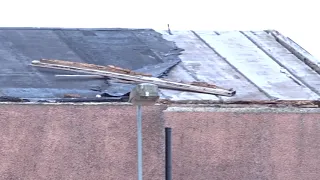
(141, 50)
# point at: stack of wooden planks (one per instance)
(128, 76)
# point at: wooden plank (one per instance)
(291, 63)
(93, 66)
(257, 66)
(178, 73)
(139, 79)
(203, 64)
(79, 76)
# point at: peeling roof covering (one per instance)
(140, 50)
(259, 65)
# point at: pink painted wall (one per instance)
(245, 145)
(99, 142)
(78, 142)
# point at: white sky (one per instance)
(295, 19)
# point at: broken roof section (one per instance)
(140, 50)
(260, 65)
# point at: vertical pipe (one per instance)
(139, 133)
(168, 155)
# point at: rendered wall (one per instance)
(99, 142)
(78, 142)
(245, 144)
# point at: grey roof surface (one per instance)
(258, 65)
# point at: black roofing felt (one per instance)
(143, 50)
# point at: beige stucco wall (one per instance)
(99, 142)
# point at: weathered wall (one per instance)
(245, 144)
(78, 142)
(99, 142)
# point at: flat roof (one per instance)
(259, 65)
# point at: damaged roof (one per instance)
(140, 50)
(259, 65)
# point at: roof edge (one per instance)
(72, 29)
(241, 110)
(296, 50)
(249, 103)
(67, 103)
(300, 104)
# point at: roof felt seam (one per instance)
(216, 52)
(296, 78)
(295, 49)
(258, 66)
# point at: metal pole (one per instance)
(139, 131)
(168, 155)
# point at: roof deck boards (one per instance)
(205, 65)
(257, 66)
(287, 60)
(185, 71)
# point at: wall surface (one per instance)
(78, 142)
(99, 142)
(245, 144)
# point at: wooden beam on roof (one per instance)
(79, 76)
(110, 68)
(196, 83)
(75, 67)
